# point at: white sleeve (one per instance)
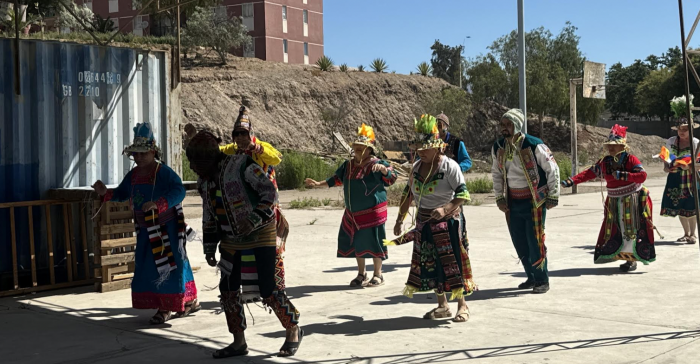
(454, 174)
(547, 162)
(497, 175)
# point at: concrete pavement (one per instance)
(593, 313)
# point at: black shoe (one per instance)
(541, 287)
(528, 284)
(628, 267)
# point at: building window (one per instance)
(285, 49)
(306, 23)
(284, 19)
(113, 6)
(249, 16)
(139, 25)
(88, 4)
(134, 5)
(116, 24)
(306, 53)
(249, 50)
(306, 2)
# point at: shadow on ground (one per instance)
(429, 298)
(355, 326)
(580, 272)
(386, 268)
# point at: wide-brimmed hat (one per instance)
(427, 135)
(366, 137)
(617, 136)
(143, 140)
(684, 122)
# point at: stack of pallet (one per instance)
(117, 242)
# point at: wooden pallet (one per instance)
(117, 243)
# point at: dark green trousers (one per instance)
(522, 232)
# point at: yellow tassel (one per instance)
(457, 293)
(389, 242)
(408, 291)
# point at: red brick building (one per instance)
(289, 31)
(120, 12)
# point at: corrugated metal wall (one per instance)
(76, 112)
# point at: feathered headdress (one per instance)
(618, 135)
(427, 133)
(679, 106)
(366, 137)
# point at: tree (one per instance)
(487, 80)
(446, 62)
(10, 23)
(67, 21)
(623, 82)
(156, 9)
(102, 25)
(654, 93)
(208, 28)
(454, 102)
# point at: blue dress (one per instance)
(164, 187)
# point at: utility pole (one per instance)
(521, 58)
(460, 60)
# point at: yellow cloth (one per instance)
(269, 157)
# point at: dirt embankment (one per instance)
(287, 101)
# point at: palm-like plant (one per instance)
(325, 64)
(378, 65)
(424, 69)
(102, 25)
(344, 67)
(360, 68)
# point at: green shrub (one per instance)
(344, 67)
(564, 163)
(379, 65)
(480, 185)
(187, 172)
(296, 167)
(325, 64)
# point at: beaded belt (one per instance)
(624, 190)
(520, 193)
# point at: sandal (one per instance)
(291, 348)
(359, 281)
(190, 308)
(438, 313)
(229, 352)
(462, 316)
(160, 317)
(684, 238)
(376, 281)
(692, 240)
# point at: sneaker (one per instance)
(541, 287)
(528, 284)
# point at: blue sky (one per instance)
(402, 31)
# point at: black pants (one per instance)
(265, 259)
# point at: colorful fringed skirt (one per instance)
(678, 199)
(440, 261)
(179, 288)
(628, 230)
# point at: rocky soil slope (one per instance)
(287, 101)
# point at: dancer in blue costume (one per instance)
(163, 277)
